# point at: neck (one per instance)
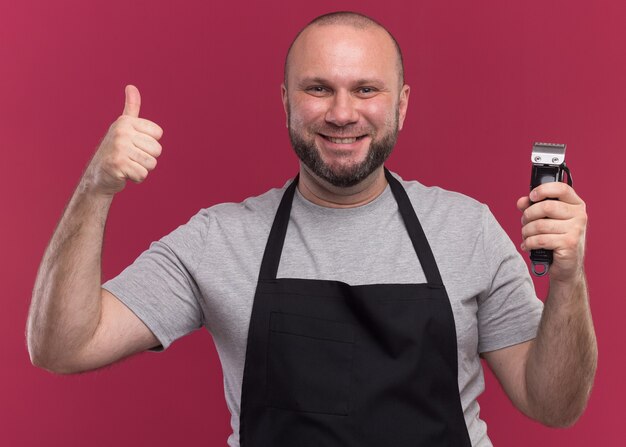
(322, 193)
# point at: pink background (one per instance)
(488, 78)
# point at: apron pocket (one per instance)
(309, 364)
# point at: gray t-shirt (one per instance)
(205, 272)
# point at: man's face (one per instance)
(344, 101)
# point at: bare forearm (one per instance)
(562, 362)
(66, 300)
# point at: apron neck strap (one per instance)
(415, 230)
(276, 239)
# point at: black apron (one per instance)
(329, 364)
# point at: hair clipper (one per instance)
(548, 166)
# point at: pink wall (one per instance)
(488, 78)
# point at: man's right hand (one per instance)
(128, 151)
(73, 324)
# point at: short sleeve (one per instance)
(159, 286)
(508, 310)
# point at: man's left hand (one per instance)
(557, 225)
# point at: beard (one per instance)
(379, 150)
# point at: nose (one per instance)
(342, 109)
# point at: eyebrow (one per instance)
(313, 80)
(323, 81)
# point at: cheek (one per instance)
(305, 113)
(380, 115)
(308, 106)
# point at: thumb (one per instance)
(133, 101)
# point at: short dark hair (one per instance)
(350, 18)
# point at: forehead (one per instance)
(343, 52)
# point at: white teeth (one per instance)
(342, 140)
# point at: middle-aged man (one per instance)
(350, 307)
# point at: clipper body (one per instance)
(548, 166)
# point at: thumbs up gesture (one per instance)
(128, 151)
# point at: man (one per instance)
(349, 307)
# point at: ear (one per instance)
(285, 99)
(403, 104)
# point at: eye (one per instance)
(366, 91)
(318, 90)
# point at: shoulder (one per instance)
(251, 215)
(260, 208)
(455, 225)
(434, 203)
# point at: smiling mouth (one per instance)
(342, 140)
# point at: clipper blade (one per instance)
(548, 154)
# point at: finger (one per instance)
(548, 242)
(555, 190)
(544, 226)
(523, 203)
(133, 101)
(553, 209)
(147, 144)
(148, 127)
(135, 172)
(536, 242)
(142, 158)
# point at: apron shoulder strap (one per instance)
(276, 239)
(416, 232)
